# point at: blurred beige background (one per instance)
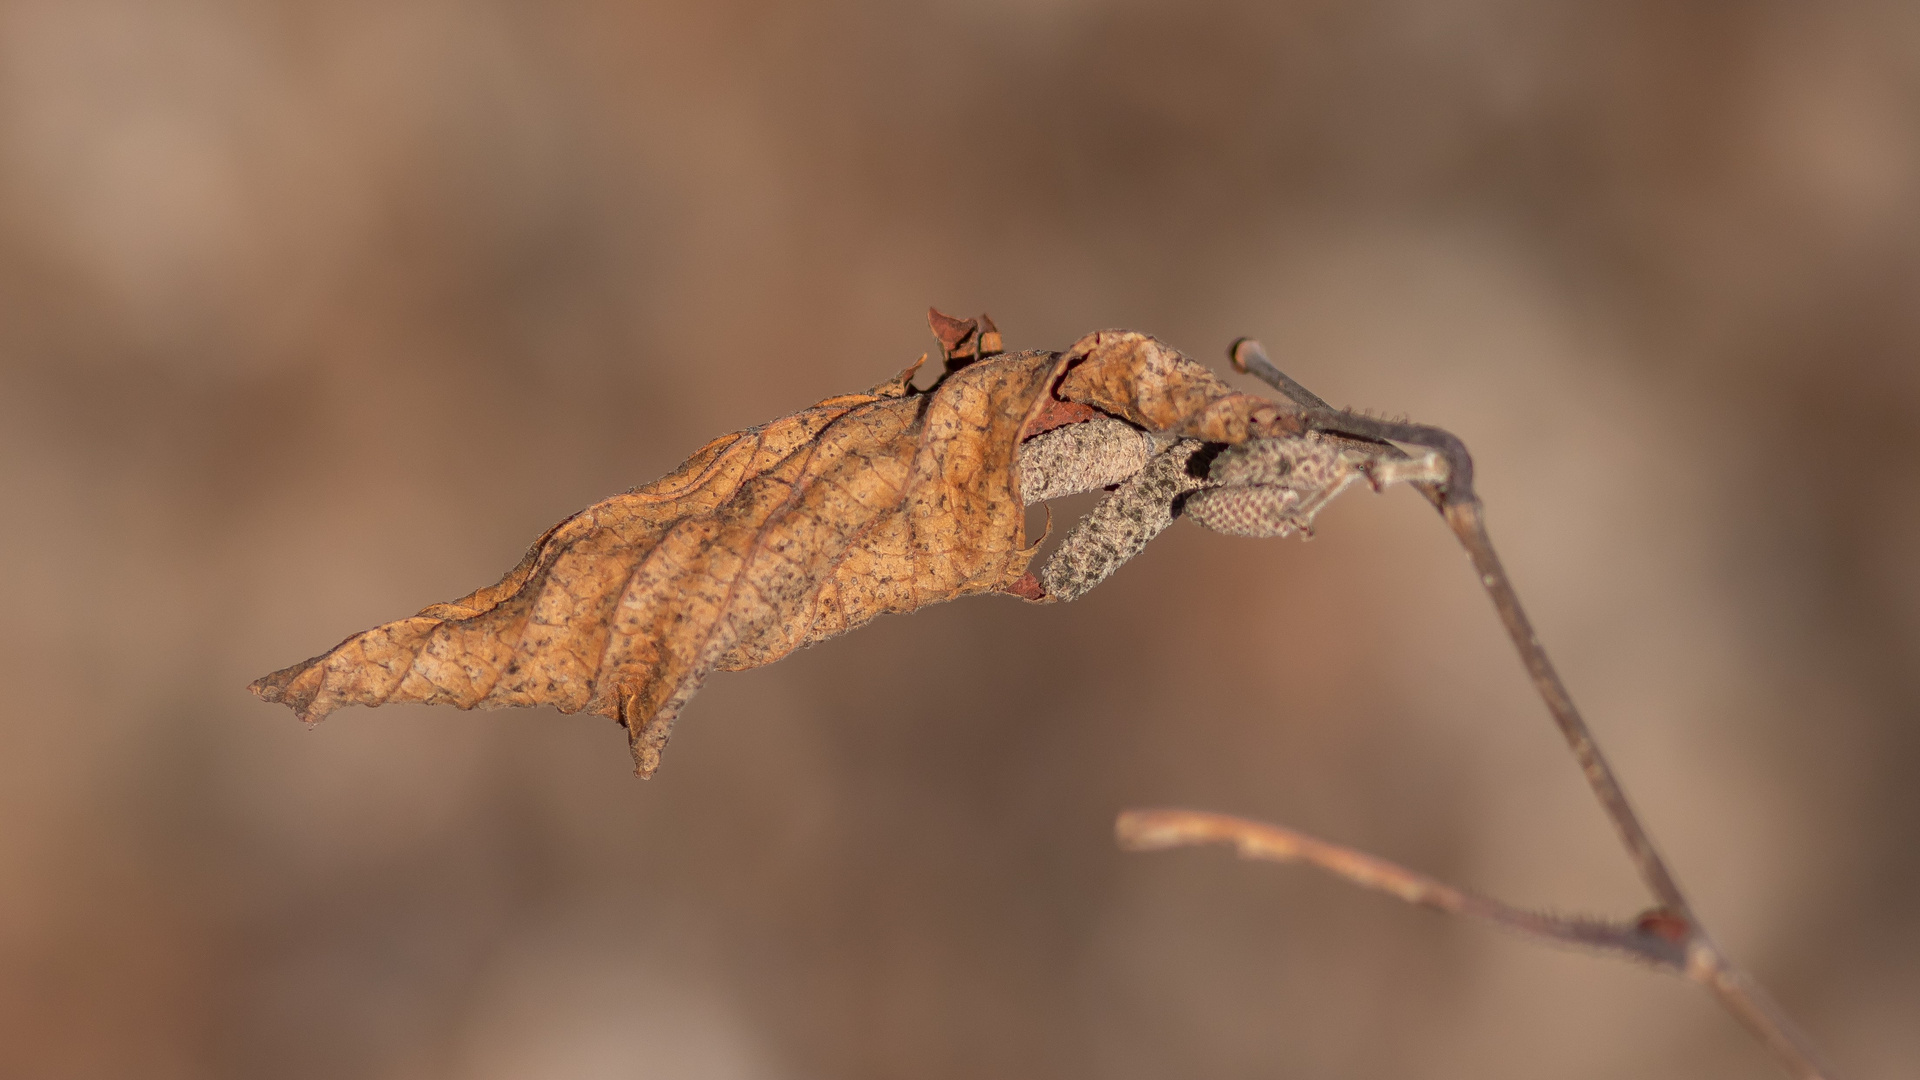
(312, 313)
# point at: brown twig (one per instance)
(1250, 358)
(1684, 945)
(1470, 528)
(1657, 937)
(1706, 964)
(1154, 830)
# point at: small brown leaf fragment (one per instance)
(763, 541)
(959, 341)
(1027, 588)
(989, 337)
(1054, 413)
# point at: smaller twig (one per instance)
(1250, 359)
(1659, 937)
(1470, 528)
(1153, 830)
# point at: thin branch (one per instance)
(1658, 937)
(1153, 830)
(1672, 922)
(1248, 357)
(1469, 526)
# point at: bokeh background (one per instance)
(313, 313)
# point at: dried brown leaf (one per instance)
(772, 538)
(763, 541)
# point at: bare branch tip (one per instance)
(1149, 830)
(1238, 351)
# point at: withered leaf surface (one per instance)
(764, 541)
(777, 536)
(1152, 385)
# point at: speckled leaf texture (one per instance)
(767, 540)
